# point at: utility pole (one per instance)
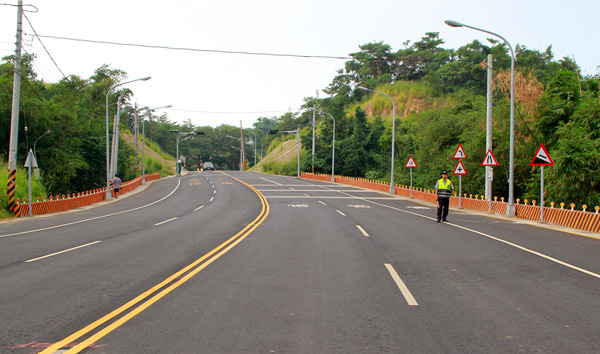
(489, 171)
(14, 124)
(135, 129)
(313, 141)
(114, 162)
(243, 162)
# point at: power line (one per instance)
(230, 51)
(196, 49)
(216, 112)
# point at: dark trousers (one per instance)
(443, 205)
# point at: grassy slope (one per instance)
(409, 98)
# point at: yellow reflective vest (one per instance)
(444, 189)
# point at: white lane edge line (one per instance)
(57, 253)
(340, 212)
(541, 255)
(362, 230)
(200, 207)
(94, 218)
(166, 221)
(403, 288)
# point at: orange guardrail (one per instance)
(576, 219)
(57, 204)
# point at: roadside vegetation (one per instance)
(440, 99)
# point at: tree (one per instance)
(557, 105)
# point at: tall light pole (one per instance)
(254, 150)
(332, 146)
(237, 148)
(48, 132)
(392, 190)
(108, 195)
(144, 141)
(510, 210)
(297, 132)
(185, 134)
(241, 149)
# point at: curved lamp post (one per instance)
(254, 149)
(144, 142)
(48, 132)
(241, 158)
(332, 146)
(510, 210)
(108, 195)
(392, 190)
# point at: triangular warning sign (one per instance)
(542, 158)
(31, 162)
(460, 169)
(410, 163)
(489, 159)
(460, 153)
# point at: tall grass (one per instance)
(153, 166)
(409, 97)
(21, 189)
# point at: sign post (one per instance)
(460, 170)
(30, 163)
(490, 161)
(541, 158)
(410, 164)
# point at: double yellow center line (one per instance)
(145, 300)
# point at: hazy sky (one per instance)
(212, 88)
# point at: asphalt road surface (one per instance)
(241, 262)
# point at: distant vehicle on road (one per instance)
(208, 166)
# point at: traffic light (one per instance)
(200, 133)
(273, 131)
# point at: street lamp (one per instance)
(48, 132)
(241, 150)
(297, 132)
(184, 134)
(252, 131)
(254, 150)
(332, 146)
(108, 195)
(510, 210)
(392, 190)
(241, 158)
(144, 142)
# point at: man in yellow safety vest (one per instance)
(443, 189)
